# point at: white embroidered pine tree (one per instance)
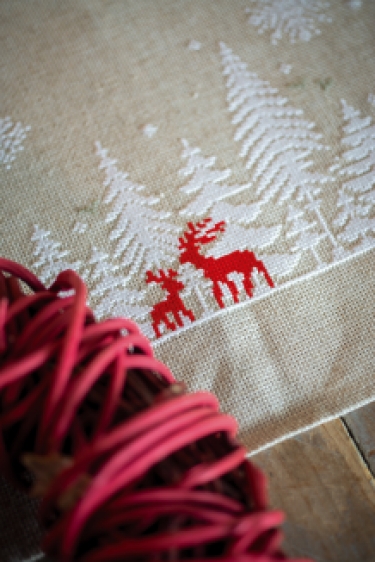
(211, 189)
(11, 139)
(110, 295)
(356, 200)
(297, 19)
(142, 235)
(304, 234)
(275, 140)
(51, 259)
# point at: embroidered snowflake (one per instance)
(296, 18)
(11, 137)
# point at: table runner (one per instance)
(209, 169)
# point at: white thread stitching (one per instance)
(11, 139)
(211, 188)
(277, 144)
(356, 198)
(142, 234)
(281, 287)
(51, 259)
(274, 139)
(295, 18)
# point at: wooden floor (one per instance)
(324, 480)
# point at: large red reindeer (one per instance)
(218, 269)
(172, 304)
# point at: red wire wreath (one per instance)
(130, 466)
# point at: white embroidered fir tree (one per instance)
(50, 258)
(12, 136)
(276, 142)
(210, 188)
(142, 235)
(356, 199)
(110, 294)
(298, 19)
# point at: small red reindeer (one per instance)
(172, 304)
(218, 269)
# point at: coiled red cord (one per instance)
(135, 469)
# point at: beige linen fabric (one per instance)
(121, 122)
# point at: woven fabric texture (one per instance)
(209, 169)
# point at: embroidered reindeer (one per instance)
(172, 304)
(218, 269)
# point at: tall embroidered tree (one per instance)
(110, 294)
(50, 258)
(356, 199)
(142, 235)
(276, 141)
(210, 188)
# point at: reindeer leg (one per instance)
(262, 269)
(248, 285)
(176, 315)
(218, 294)
(188, 313)
(168, 323)
(233, 289)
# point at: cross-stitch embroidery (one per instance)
(219, 269)
(297, 19)
(235, 254)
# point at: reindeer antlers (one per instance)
(197, 233)
(163, 276)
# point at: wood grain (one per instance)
(361, 424)
(327, 492)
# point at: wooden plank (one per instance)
(361, 424)
(327, 492)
